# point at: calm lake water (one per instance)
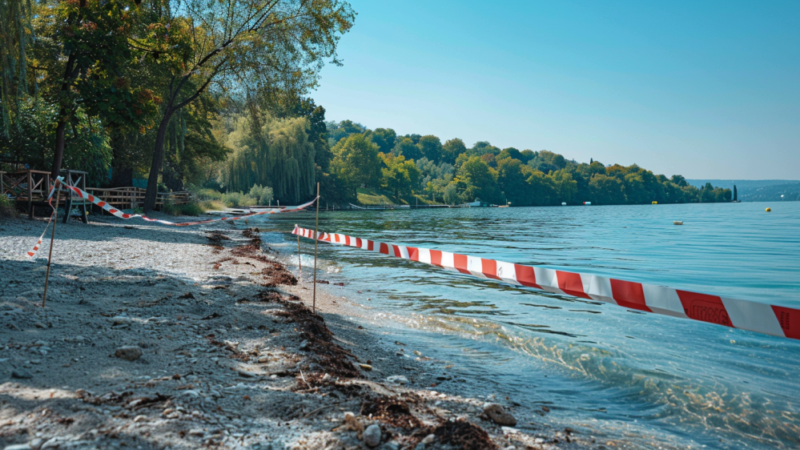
(642, 376)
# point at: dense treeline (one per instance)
(452, 173)
(147, 89)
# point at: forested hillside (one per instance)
(453, 173)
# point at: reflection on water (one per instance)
(711, 385)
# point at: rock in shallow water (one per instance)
(21, 374)
(499, 415)
(397, 379)
(372, 435)
(129, 352)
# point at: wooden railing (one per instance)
(32, 187)
(130, 197)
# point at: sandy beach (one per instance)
(198, 337)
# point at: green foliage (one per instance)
(238, 200)
(451, 195)
(452, 149)
(189, 209)
(262, 194)
(7, 207)
(384, 138)
(356, 162)
(278, 155)
(430, 147)
(373, 197)
(343, 130)
(399, 176)
(481, 180)
(407, 148)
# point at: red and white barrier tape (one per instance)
(38, 245)
(747, 315)
(117, 213)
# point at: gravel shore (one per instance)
(197, 337)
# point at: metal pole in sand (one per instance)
(299, 261)
(52, 238)
(316, 242)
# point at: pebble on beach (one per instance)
(499, 415)
(372, 435)
(21, 374)
(129, 352)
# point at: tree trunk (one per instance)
(58, 156)
(158, 158)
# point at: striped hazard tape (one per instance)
(747, 315)
(38, 245)
(122, 215)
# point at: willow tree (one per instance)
(280, 156)
(239, 44)
(15, 34)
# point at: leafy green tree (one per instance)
(384, 138)
(92, 39)
(480, 179)
(606, 190)
(565, 185)
(542, 188)
(399, 176)
(431, 147)
(482, 147)
(342, 130)
(451, 149)
(451, 195)
(267, 44)
(279, 155)
(512, 181)
(356, 162)
(510, 152)
(405, 147)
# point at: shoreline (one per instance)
(230, 356)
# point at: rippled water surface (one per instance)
(687, 382)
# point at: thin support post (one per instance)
(30, 196)
(299, 260)
(52, 240)
(316, 243)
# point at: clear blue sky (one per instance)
(707, 89)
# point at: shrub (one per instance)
(237, 200)
(191, 209)
(207, 194)
(261, 194)
(212, 205)
(7, 207)
(169, 208)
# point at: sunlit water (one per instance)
(685, 382)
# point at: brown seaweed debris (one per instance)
(331, 358)
(278, 274)
(463, 435)
(215, 239)
(392, 410)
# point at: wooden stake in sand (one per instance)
(52, 239)
(316, 242)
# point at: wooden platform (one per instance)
(32, 187)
